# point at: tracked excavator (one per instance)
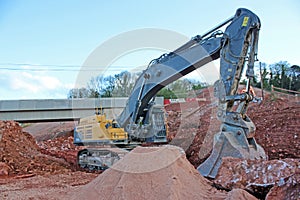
(141, 122)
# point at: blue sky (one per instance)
(66, 33)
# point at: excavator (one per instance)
(141, 122)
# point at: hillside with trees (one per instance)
(120, 85)
(280, 74)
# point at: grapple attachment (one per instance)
(230, 144)
(236, 136)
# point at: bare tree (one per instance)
(124, 83)
(78, 93)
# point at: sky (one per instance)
(47, 47)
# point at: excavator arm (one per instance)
(232, 47)
(236, 47)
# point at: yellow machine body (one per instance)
(97, 129)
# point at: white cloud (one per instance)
(32, 85)
(49, 82)
(33, 82)
(19, 83)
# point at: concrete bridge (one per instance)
(47, 110)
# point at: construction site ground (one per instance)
(38, 161)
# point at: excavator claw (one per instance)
(236, 136)
(230, 144)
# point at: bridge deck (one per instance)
(60, 109)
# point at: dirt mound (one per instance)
(56, 140)
(277, 124)
(150, 173)
(240, 195)
(19, 151)
(61, 147)
(50, 130)
(192, 126)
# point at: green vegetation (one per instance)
(280, 74)
(180, 88)
(120, 85)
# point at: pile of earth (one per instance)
(20, 155)
(154, 173)
(192, 126)
(277, 122)
(49, 130)
(56, 139)
(61, 147)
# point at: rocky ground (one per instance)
(277, 122)
(41, 165)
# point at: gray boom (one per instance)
(196, 53)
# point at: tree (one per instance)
(96, 86)
(264, 77)
(294, 74)
(108, 86)
(124, 83)
(78, 93)
(283, 75)
(166, 93)
(278, 74)
(180, 88)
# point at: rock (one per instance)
(240, 195)
(4, 169)
(288, 188)
(61, 147)
(254, 176)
